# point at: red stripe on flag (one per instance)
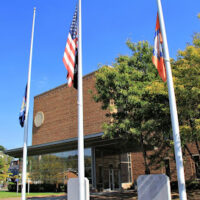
(71, 60)
(71, 45)
(70, 73)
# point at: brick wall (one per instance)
(60, 113)
(60, 122)
(189, 166)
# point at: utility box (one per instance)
(73, 189)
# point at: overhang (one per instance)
(92, 140)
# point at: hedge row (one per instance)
(12, 187)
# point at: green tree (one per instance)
(4, 167)
(137, 100)
(186, 77)
(2, 148)
(126, 92)
(187, 87)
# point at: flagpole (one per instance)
(26, 116)
(173, 110)
(81, 169)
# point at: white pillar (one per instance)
(81, 168)
(26, 116)
(173, 110)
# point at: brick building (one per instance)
(54, 143)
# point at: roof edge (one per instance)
(63, 85)
(45, 147)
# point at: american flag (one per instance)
(157, 57)
(70, 55)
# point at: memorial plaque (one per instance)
(153, 187)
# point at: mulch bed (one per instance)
(132, 195)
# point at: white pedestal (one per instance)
(73, 189)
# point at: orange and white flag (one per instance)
(157, 57)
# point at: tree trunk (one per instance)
(147, 170)
(188, 150)
(192, 124)
(197, 145)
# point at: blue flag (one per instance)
(23, 109)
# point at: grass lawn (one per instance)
(5, 194)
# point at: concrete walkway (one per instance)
(48, 198)
(39, 198)
(126, 195)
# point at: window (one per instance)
(197, 165)
(126, 175)
(57, 167)
(100, 174)
(167, 167)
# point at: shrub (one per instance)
(12, 187)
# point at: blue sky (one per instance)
(106, 25)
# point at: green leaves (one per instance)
(4, 167)
(136, 99)
(134, 86)
(187, 89)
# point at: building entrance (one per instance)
(111, 170)
(111, 178)
(114, 178)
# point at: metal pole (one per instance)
(28, 186)
(81, 170)
(93, 169)
(173, 110)
(26, 116)
(17, 187)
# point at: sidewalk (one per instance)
(39, 198)
(126, 195)
(114, 195)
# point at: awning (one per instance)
(92, 140)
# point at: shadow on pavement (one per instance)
(48, 198)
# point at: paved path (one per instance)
(126, 195)
(39, 198)
(48, 198)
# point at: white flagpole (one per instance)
(173, 110)
(26, 116)
(81, 169)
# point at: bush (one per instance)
(190, 185)
(45, 187)
(62, 188)
(12, 187)
(193, 185)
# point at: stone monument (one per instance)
(153, 187)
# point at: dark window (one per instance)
(167, 167)
(126, 168)
(124, 157)
(100, 174)
(197, 165)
